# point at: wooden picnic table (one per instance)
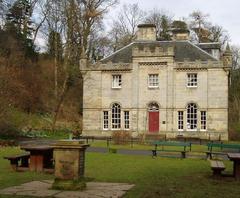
(235, 157)
(41, 157)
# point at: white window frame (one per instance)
(180, 120)
(116, 81)
(192, 117)
(116, 116)
(105, 120)
(126, 120)
(153, 80)
(192, 80)
(203, 121)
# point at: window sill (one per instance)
(180, 130)
(192, 130)
(192, 87)
(116, 87)
(149, 87)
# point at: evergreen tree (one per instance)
(18, 25)
(19, 15)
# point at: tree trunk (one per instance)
(60, 103)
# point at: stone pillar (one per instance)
(69, 157)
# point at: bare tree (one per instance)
(235, 57)
(162, 19)
(206, 31)
(124, 28)
(81, 18)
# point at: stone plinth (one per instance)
(69, 157)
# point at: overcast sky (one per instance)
(222, 12)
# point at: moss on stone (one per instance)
(69, 185)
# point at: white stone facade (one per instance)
(172, 95)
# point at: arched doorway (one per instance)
(153, 118)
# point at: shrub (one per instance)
(121, 137)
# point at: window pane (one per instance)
(180, 120)
(203, 120)
(116, 81)
(192, 116)
(116, 116)
(192, 80)
(126, 119)
(153, 80)
(105, 120)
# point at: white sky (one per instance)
(225, 13)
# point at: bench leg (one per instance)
(209, 156)
(183, 155)
(25, 162)
(14, 164)
(154, 153)
(217, 172)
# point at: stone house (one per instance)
(158, 87)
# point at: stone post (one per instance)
(69, 157)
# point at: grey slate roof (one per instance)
(209, 45)
(184, 50)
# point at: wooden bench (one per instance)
(222, 147)
(217, 167)
(183, 152)
(14, 161)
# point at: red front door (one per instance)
(153, 122)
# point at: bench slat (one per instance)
(217, 165)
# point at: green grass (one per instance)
(101, 143)
(160, 177)
(10, 178)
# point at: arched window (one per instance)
(153, 107)
(192, 116)
(116, 116)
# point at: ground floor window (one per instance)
(116, 116)
(180, 120)
(105, 120)
(126, 119)
(203, 120)
(192, 116)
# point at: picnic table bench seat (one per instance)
(217, 167)
(14, 161)
(183, 151)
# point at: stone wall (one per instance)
(211, 95)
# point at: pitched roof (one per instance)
(184, 50)
(209, 45)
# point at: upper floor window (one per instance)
(192, 80)
(153, 80)
(116, 81)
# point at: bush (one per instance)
(8, 131)
(121, 137)
(234, 131)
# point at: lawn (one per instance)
(160, 177)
